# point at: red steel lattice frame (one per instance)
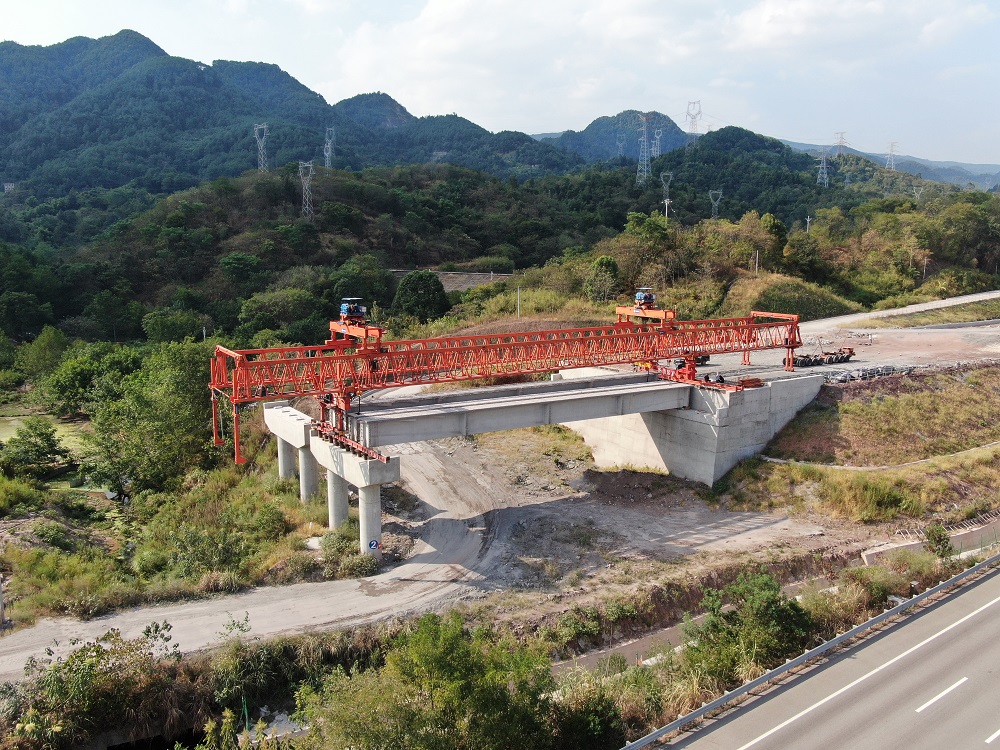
(362, 361)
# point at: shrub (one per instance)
(939, 541)
(878, 582)
(18, 497)
(358, 566)
(54, 534)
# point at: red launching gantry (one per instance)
(356, 359)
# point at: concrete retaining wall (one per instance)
(962, 542)
(706, 439)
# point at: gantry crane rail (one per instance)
(356, 358)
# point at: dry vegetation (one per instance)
(973, 311)
(889, 421)
(897, 419)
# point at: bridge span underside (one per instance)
(478, 410)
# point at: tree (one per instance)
(158, 426)
(168, 324)
(421, 294)
(86, 376)
(440, 688)
(33, 451)
(760, 629)
(42, 355)
(600, 286)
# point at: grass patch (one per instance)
(970, 312)
(954, 489)
(896, 420)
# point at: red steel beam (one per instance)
(343, 368)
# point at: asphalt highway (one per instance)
(931, 681)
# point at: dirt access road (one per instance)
(486, 525)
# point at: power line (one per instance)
(715, 196)
(260, 133)
(331, 136)
(823, 177)
(643, 173)
(890, 158)
(691, 122)
(306, 173)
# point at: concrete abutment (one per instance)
(705, 439)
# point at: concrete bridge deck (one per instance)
(479, 410)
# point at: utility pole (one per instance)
(715, 196)
(642, 172)
(260, 133)
(328, 147)
(306, 172)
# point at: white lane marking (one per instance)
(861, 679)
(942, 694)
(993, 737)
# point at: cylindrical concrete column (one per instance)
(308, 474)
(336, 498)
(286, 459)
(370, 512)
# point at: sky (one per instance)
(918, 73)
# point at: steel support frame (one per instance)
(356, 359)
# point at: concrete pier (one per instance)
(308, 475)
(370, 515)
(336, 498)
(294, 432)
(286, 459)
(368, 475)
(291, 427)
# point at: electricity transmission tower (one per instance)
(841, 142)
(657, 135)
(331, 136)
(918, 191)
(890, 158)
(666, 178)
(621, 143)
(715, 196)
(691, 119)
(260, 133)
(809, 221)
(306, 173)
(823, 177)
(642, 173)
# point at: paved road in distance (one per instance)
(932, 681)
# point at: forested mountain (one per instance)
(108, 112)
(981, 176)
(601, 140)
